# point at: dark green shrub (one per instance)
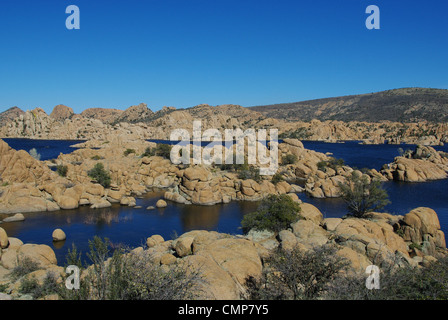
(237, 167)
(62, 170)
(322, 165)
(300, 133)
(24, 266)
(414, 245)
(276, 178)
(96, 158)
(161, 150)
(289, 159)
(30, 285)
(131, 276)
(396, 283)
(296, 274)
(128, 152)
(333, 163)
(100, 175)
(250, 173)
(3, 287)
(275, 213)
(149, 152)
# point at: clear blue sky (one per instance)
(185, 52)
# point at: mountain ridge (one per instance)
(397, 105)
(401, 105)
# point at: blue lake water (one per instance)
(126, 225)
(403, 196)
(48, 149)
(131, 226)
(359, 155)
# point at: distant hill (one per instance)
(10, 114)
(103, 114)
(222, 116)
(134, 114)
(403, 105)
(61, 112)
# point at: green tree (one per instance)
(275, 213)
(362, 194)
(99, 174)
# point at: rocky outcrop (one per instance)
(106, 116)
(63, 124)
(61, 112)
(10, 115)
(20, 167)
(421, 228)
(321, 178)
(224, 261)
(20, 176)
(135, 114)
(58, 235)
(15, 254)
(379, 238)
(28, 185)
(227, 261)
(423, 164)
(199, 185)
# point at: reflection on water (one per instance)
(200, 217)
(58, 245)
(106, 216)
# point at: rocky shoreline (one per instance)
(227, 261)
(420, 165)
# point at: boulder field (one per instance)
(29, 185)
(226, 261)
